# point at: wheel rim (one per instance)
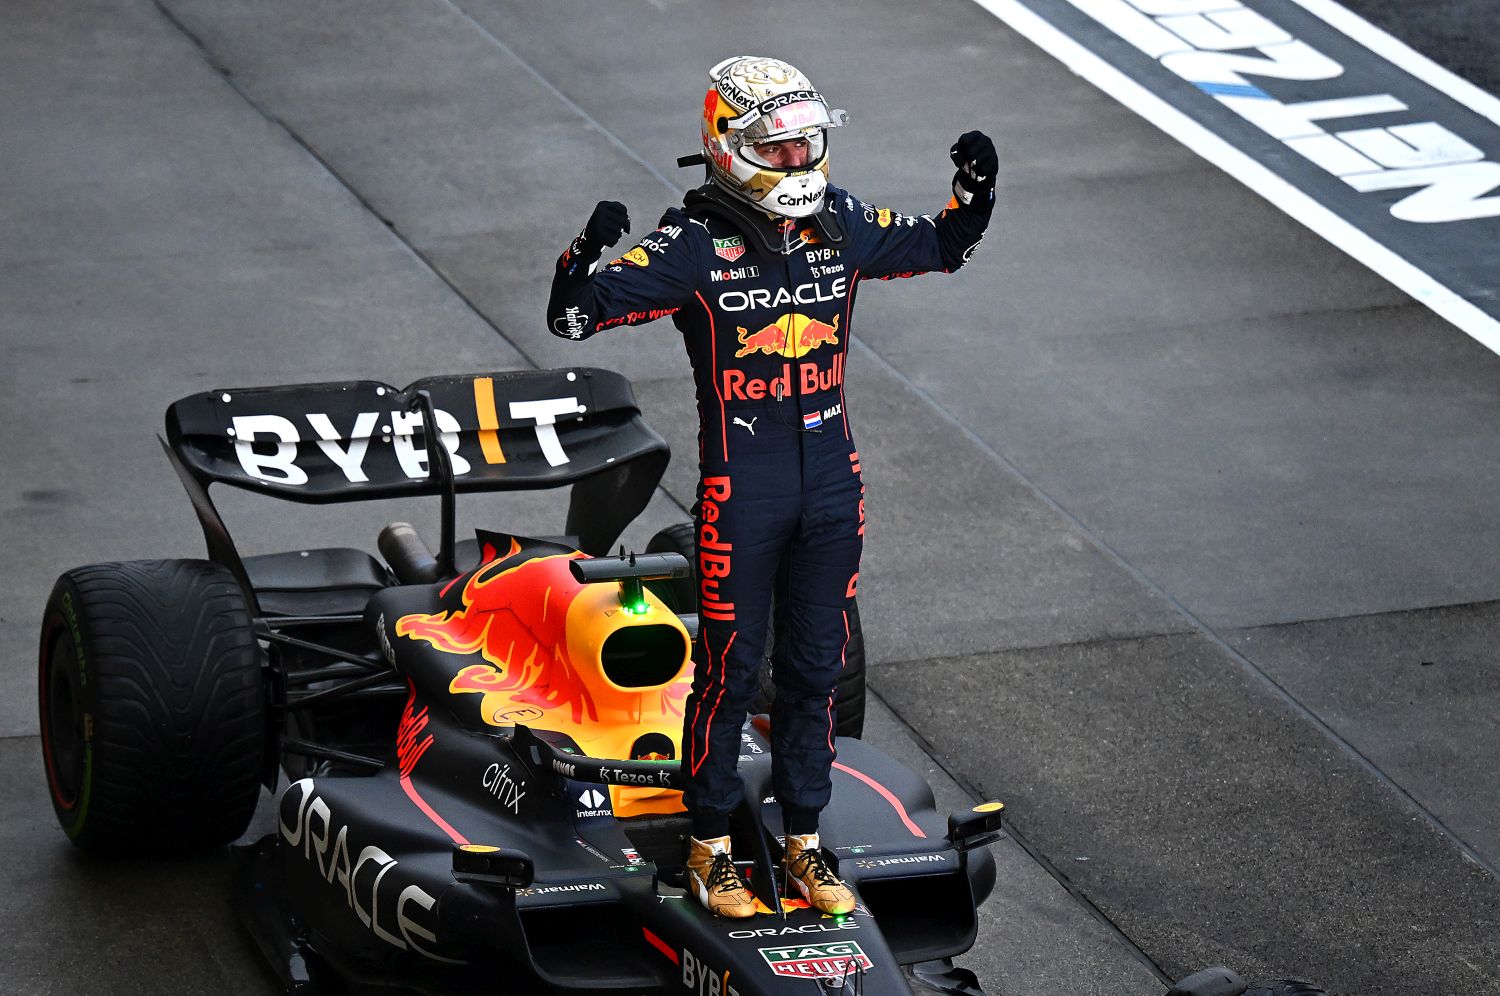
(62, 717)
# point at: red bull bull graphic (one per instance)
(739, 386)
(814, 333)
(523, 637)
(529, 641)
(770, 340)
(791, 336)
(653, 747)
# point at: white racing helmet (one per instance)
(754, 99)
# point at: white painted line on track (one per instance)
(1298, 205)
(1398, 53)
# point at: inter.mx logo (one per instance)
(816, 961)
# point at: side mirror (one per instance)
(483, 864)
(971, 828)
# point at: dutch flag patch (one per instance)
(812, 420)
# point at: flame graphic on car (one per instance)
(523, 636)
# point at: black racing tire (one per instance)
(1284, 987)
(681, 595)
(153, 707)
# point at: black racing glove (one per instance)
(609, 221)
(974, 183)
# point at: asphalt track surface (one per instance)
(1182, 525)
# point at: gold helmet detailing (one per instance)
(754, 100)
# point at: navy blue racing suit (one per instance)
(765, 316)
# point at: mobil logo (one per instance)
(791, 335)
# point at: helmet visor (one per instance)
(802, 115)
(785, 152)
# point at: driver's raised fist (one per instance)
(974, 155)
(609, 221)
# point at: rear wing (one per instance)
(359, 440)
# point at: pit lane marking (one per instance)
(1148, 38)
(1399, 54)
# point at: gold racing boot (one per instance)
(714, 879)
(805, 868)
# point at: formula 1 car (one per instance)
(481, 788)
(473, 754)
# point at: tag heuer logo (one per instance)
(731, 248)
(816, 961)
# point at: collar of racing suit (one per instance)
(768, 233)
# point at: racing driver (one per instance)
(758, 270)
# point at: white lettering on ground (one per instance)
(1459, 186)
(1206, 44)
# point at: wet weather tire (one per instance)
(153, 707)
(681, 595)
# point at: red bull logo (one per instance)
(653, 747)
(714, 553)
(791, 336)
(770, 340)
(739, 386)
